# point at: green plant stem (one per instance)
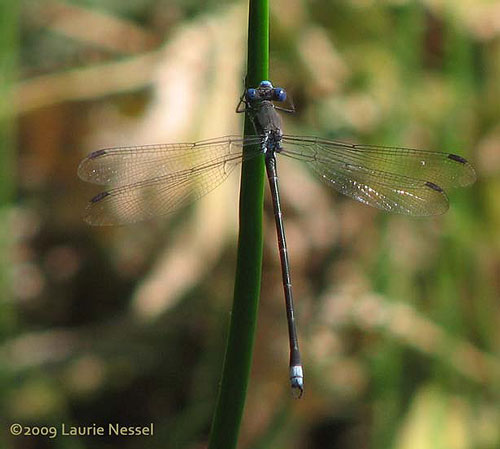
(238, 358)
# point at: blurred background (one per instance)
(399, 318)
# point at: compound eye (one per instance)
(251, 94)
(279, 94)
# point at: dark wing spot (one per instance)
(434, 186)
(455, 157)
(97, 153)
(99, 197)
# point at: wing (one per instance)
(399, 180)
(124, 165)
(155, 180)
(157, 196)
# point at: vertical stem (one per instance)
(238, 357)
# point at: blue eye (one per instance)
(279, 94)
(251, 94)
(266, 84)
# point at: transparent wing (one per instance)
(400, 180)
(125, 165)
(156, 180)
(416, 198)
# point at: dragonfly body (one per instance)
(267, 123)
(266, 120)
(153, 180)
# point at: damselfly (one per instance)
(154, 180)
